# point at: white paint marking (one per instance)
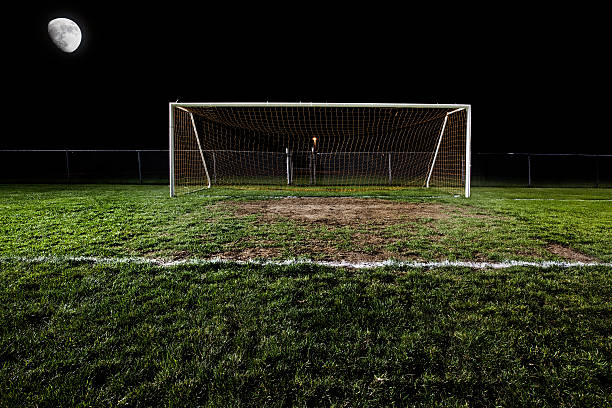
(323, 196)
(559, 199)
(335, 264)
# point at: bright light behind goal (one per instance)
(319, 144)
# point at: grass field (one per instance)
(79, 332)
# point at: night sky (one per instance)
(533, 77)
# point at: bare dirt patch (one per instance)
(246, 254)
(341, 211)
(335, 228)
(569, 253)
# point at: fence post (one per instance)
(139, 169)
(68, 165)
(310, 166)
(314, 166)
(529, 170)
(390, 178)
(596, 172)
(214, 167)
(288, 166)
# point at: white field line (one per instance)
(315, 196)
(400, 197)
(558, 199)
(336, 264)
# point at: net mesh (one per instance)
(319, 145)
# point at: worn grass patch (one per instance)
(143, 221)
(77, 333)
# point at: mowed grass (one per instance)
(77, 333)
(120, 221)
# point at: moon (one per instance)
(65, 34)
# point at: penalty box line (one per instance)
(337, 264)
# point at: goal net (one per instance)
(307, 144)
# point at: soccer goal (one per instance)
(320, 144)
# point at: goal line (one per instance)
(161, 262)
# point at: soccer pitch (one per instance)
(120, 295)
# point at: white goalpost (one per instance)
(323, 144)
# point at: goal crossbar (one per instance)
(320, 104)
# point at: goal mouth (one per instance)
(320, 144)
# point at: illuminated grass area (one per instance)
(80, 333)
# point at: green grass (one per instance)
(84, 334)
(143, 221)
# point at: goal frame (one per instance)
(467, 107)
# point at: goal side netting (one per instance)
(402, 146)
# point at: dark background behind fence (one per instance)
(151, 167)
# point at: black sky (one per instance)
(533, 76)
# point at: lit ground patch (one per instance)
(344, 229)
(348, 229)
(341, 211)
(569, 253)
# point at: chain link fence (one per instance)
(541, 170)
(84, 166)
(151, 167)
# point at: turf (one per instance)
(86, 334)
(143, 221)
